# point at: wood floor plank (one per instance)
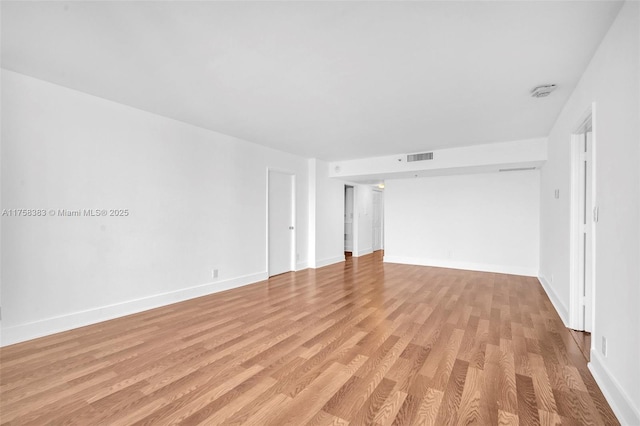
(361, 342)
(448, 412)
(389, 409)
(543, 390)
(527, 407)
(469, 411)
(506, 418)
(325, 419)
(427, 413)
(314, 397)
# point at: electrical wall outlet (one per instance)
(214, 273)
(604, 346)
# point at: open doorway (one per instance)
(378, 220)
(583, 218)
(348, 219)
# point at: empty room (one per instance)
(320, 212)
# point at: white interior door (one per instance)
(377, 220)
(587, 244)
(584, 219)
(281, 222)
(348, 218)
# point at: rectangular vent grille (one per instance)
(516, 169)
(420, 157)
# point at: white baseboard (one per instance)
(329, 261)
(620, 402)
(469, 266)
(301, 265)
(561, 309)
(22, 332)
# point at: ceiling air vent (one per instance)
(543, 91)
(420, 157)
(516, 169)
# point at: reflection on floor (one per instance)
(583, 339)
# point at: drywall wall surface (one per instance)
(610, 85)
(464, 160)
(329, 216)
(363, 220)
(486, 222)
(180, 201)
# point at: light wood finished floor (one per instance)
(361, 343)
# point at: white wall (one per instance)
(464, 160)
(362, 220)
(484, 222)
(326, 215)
(611, 81)
(197, 199)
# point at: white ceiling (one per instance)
(332, 80)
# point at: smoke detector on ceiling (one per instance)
(542, 91)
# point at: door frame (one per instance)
(294, 238)
(576, 319)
